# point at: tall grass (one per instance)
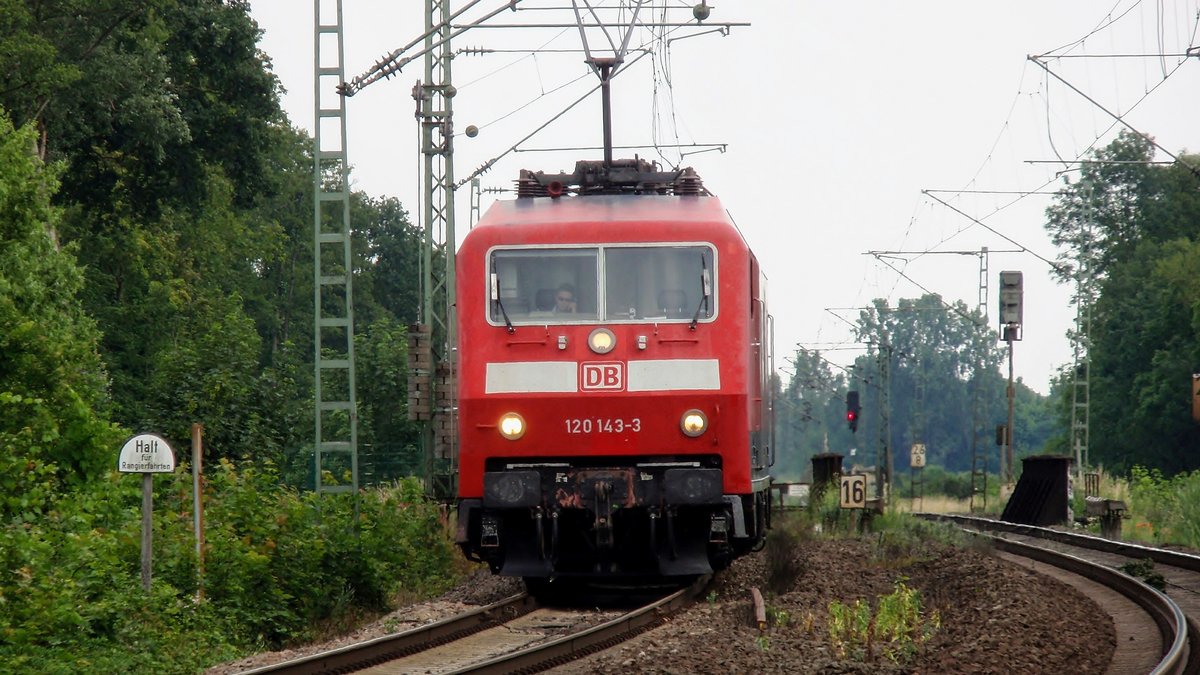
(1162, 510)
(935, 490)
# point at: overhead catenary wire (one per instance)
(1090, 146)
(392, 63)
(996, 232)
(667, 29)
(1120, 118)
(974, 321)
(1078, 158)
(1100, 27)
(643, 51)
(530, 102)
(1150, 55)
(491, 162)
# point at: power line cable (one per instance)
(1081, 154)
(1098, 28)
(1119, 118)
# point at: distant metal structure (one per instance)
(883, 454)
(978, 450)
(336, 409)
(1081, 392)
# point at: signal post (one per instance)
(1011, 300)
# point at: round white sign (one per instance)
(146, 453)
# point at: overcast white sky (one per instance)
(837, 115)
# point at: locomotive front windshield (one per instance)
(602, 283)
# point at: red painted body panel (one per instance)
(728, 337)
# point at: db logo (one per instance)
(603, 376)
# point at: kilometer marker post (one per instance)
(146, 454)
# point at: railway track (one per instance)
(1175, 613)
(515, 634)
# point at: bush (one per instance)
(1168, 507)
(277, 563)
(898, 627)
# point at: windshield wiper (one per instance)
(499, 303)
(705, 290)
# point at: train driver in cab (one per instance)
(564, 299)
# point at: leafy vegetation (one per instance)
(1131, 225)
(1163, 510)
(1144, 570)
(73, 600)
(156, 271)
(183, 200)
(897, 627)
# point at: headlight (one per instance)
(693, 423)
(602, 340)
(512, 426)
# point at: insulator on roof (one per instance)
(689, 183)
(528, 185)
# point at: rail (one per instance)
(1172, 623)
(593, 639)
(388, 647)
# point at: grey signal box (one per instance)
(1011, 292)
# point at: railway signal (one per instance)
(1011, 305)
(852, 410)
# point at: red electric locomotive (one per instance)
(614, 392)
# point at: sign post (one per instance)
(916, 461)
(853, 491)
(146, 454)
(198, 505)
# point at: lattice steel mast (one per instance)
(1081, 392)
(978, 450)
(336, 409)
(435, 112)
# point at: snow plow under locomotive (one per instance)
(614, 379)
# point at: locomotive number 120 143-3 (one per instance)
(602, 425)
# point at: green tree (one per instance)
(809, 415)
(1130, 226)
(140, 94)
(52, 383)
(188, 200)
(388, 250)
(1145, 347)
(940, 359)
